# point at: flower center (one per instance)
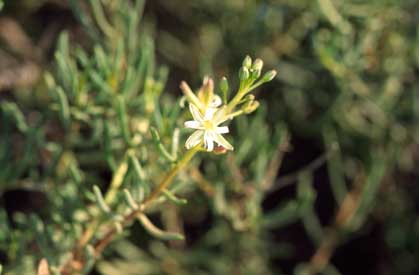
(208, 125)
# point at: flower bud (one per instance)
(251, 107)
(206, 92)
(269, 76)
(250, 104)
(224, 84)
(249, 98)
(243, 73)
(256, 68)
(224, 88)
(247, 62)
(257, 65)
(192, 98)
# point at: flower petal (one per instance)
(216, 101)
(222, 130)
(193, 124)
(221, 141)
(194, 139)
(208, 141)
(209, 113)
(195, 113)
(220, 116)
(189, 94)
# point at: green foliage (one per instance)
(102, 139)
(347, 78)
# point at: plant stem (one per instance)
(77, 262)
(117, 180)
(172, 173)
(109, 197)
(236, 99)
(167, 180)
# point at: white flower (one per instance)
(205, 100)
(207, 129)
(212, 106)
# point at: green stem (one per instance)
(109, 197)
(117, 181)
(236, 100)
(172, 173)
(100, 244)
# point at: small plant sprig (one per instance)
(208, 111)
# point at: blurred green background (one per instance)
(347, 89)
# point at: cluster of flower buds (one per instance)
(209, 110)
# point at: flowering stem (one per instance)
(167, 180)
(172, 173)
(236, 99)
(109, 197)
(77, 262)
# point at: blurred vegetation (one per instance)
(322, 178)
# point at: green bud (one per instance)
(250, 104)
(247, 62)
(251, 107)
(224, 84)
(269, 76)
(256, 68)
(257, 65)
(224, 88)
(255, 74)
(249, 98)
(243, 73)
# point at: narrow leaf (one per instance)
(157, 232)
(171, 197)
(160, 146)
(100, 200)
